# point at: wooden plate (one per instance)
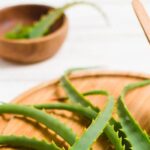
(84, 81)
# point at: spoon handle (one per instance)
(142, 17)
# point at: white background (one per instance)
(90, 42)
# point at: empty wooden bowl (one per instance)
(30, 50)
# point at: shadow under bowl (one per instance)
(30, 50)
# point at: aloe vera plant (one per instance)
(41, 27)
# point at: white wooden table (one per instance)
(120, 46)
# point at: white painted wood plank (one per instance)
(122, 52)
(121, 17)
(59, 2)
(11, 89)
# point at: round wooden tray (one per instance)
(83, 81)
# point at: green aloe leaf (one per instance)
(89, 113)
(138, 139)
(42, 117)
(85, 111)
(73, 94)
(41, 27)
(19, 32)
(95, 129)
(76, 97)
(24, 142)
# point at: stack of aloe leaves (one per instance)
(124, 134)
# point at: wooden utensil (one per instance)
(30, 50)
(142, 17)
(137, 101)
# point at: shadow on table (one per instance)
(7, 64)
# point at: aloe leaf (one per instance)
(42, 117)
(95, 129)
(19, 32)
(24, 142)
(96, 92)
(138, 139)
(76, 97)
(114, 137)
(41, 27)
(89, 113)
(73, 94)
(89, 93)
(85, 111)
(14, 33)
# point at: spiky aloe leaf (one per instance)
(95, 129)
(85, 111)
(42, 117)
(75, 96)
(89, 113)
(114, 137)
(24, 142)
(42, 26)
(138, 139)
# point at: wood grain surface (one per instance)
(137, 101)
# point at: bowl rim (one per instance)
(40, 39)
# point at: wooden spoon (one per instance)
(142, 17)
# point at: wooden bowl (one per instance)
(137, 101)
(30, 50)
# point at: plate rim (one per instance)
(81, 74)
